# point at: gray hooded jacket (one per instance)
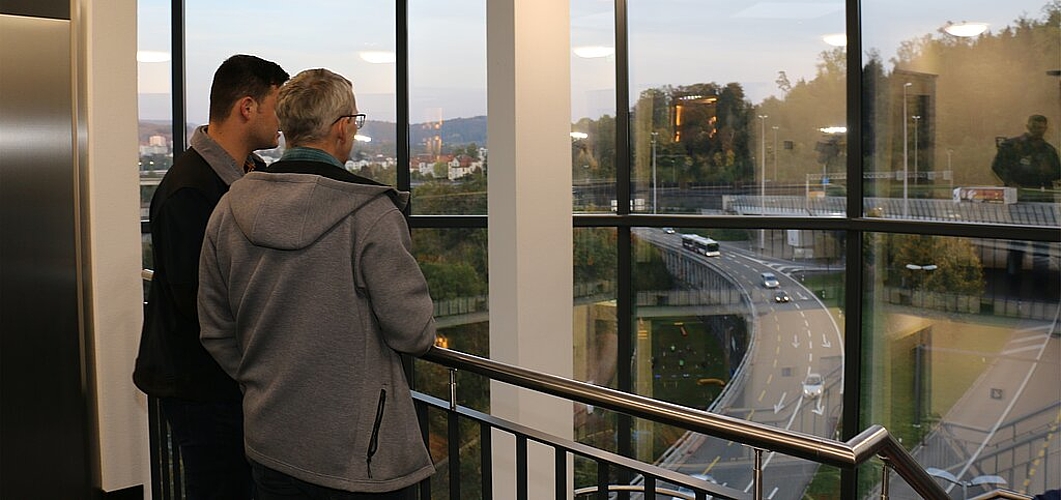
(308, 292)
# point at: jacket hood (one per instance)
(291, 211)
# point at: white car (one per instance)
(813, 386)
(769, 280)
(686, 491)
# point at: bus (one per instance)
(701, 245)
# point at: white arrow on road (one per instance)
(795, 341)
(825, 342)
(819, 409)
(780, 404)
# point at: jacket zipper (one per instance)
(373, 443)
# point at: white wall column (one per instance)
(529, 114)
(106, 44)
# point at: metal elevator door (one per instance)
(43, 409)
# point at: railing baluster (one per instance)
(603, 480)
(884, 480)
(486, 461)
(454, 447)
(425, 432)
(560, 468)
(758, 495)
(521, 467)
(453, 389)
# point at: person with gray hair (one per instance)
(309, 294)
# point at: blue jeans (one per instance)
(210, 437)
(274, 485)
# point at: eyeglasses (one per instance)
(359, 119)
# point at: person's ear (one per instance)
(246, 106)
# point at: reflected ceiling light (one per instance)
(362, 138)
(378, 56)
(833, 130)
(965, 29)
(152, 56)
(579, 135)
(593, 51)
(836, 39)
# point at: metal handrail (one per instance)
(874, 441)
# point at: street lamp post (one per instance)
(917, 121)
(921, 282)
(775, 153)
(906, 206)
(762, 180)
(654, 202)
(950, 171)
(976, 481)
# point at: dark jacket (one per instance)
(171, 361)
(308, 296)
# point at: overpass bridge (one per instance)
(935, 210)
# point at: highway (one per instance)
(789, 341)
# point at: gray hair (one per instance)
(309, 104)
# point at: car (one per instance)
(813, 385)
(769, 280)
(668, 230)
(782, 296)
(686, 491)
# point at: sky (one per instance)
(672, 42)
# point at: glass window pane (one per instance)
(738, 108)
(155, 121)
(593, 132)
(447, 107)
(154, 96)
(963, 113)
(363, 52)
(720, 328)
(454, 263)
(961, 358)
(595, 336)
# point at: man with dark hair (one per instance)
(1028, 161)
(309, 295)
(201, 403)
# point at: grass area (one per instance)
(825, 485)
(689, 363)
(829, 287)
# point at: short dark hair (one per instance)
(239, 76)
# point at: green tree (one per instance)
(958, 267)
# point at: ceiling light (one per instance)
(965, 29)
(836, 39)
(152, 56)
(377, 56)
(593, 51)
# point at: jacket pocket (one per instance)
(373, 442)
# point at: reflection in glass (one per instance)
(454, 263)
(722, 330)
(714, 133)
(594, 340)
(447, 107)
(962, 344)
(364, 56)
(153, 63)
(964, 114)
(593, 153)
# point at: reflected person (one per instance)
(1028, 161)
